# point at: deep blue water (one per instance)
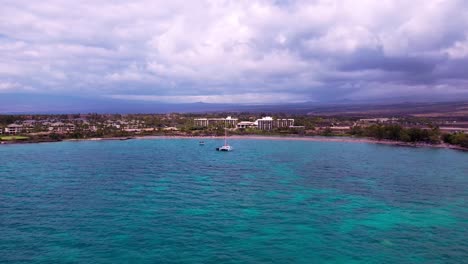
(173, 201)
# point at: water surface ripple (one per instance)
(173, 201)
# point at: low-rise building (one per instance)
(170, 129)
(380, 120)
(136, 130)
(61, 127)
(454, 130)
(340, 129)
(14, 129)
(246, 124)
(29, 123)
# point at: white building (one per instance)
(454, 129)
(170, 129)
(205, 122)
(378, 120)
(283, 123)
(14, 129)
(201, 122)
(268, 123)
(61, 127)
(247, 124)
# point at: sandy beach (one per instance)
(257, 137)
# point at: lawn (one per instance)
(8, 138)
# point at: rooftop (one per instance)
(14, 125)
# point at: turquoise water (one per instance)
(173, 201)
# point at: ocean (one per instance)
(268, 201)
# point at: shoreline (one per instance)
(293, 138)
(269, 137)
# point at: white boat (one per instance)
(225, 147)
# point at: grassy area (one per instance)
(9, 138)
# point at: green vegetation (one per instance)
(41, 128)
(10, 138)
(328, 132)
(459, 139)
(8, 119)
(398, 133)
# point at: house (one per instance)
(297, 127)
(170, 129)
(454, 130)
(134, 130)
(381, 120)
(29, 123)
(340, 129)
(60, 127)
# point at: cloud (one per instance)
(246, 51)
(246, 98)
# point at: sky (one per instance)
(243, 52)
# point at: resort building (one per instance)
(268, 123)
(265, 123)
(14, 129)
(200, 122)
(205, 122)
(282, 123)
(246, 124)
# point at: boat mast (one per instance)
(225, 135)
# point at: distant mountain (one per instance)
(50, 104)
(54, 104)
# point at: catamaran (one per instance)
(225, 147)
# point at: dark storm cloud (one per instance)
(256, 51)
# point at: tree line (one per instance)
(460, 139)
(398, 133)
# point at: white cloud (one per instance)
(459, 49)
(343, 40)
(244, 98)
(215, 47)
(6, 86)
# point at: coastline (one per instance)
(272, 137)
(314, 139)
